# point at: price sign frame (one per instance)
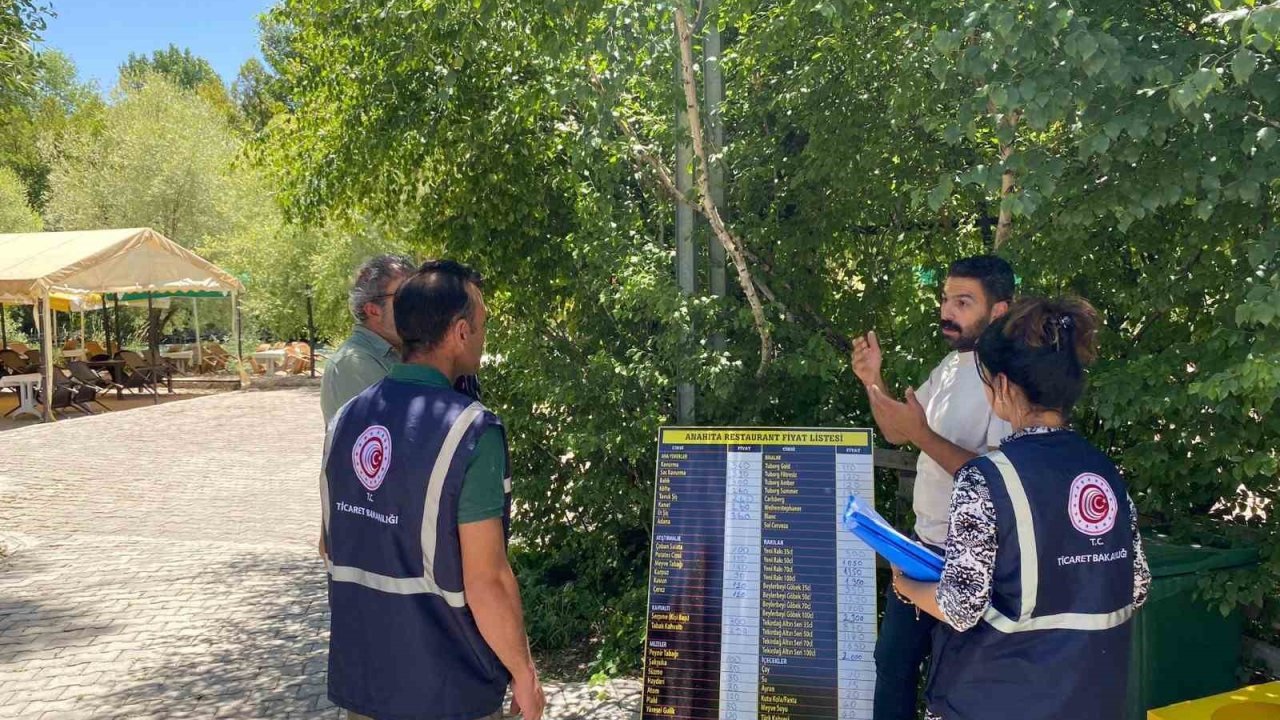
(761, 606)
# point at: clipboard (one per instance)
(916, 561)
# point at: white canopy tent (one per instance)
(34, 267)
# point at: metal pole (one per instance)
(46, 347)
(684, 235)
(311, 332)
(4, 329)
(713, 82)
(153, 349)
(82, 327)
(195, 319)
(235, 322)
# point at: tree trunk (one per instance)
(1004, 225)
(731, 244)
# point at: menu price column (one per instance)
(857, 578)
(740, 634)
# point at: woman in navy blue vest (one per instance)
(1044, 566)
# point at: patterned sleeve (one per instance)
(1141, 571)
(964, 592)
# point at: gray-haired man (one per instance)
(374, 346)
(367, 356)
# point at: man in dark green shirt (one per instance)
(483, 491)
(429, 597)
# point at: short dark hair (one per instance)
(1043, 347)
(430, 300)
(993, 272)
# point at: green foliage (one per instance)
(257, 94)
(866, 149)
(162, 157)
(180, 66)
(280, 263)
(165, 157)
(1145, 162)
(15, 214)
(21, 22)
(54, 104)
(477, 131)
(184, 69)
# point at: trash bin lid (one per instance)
(1169, 560)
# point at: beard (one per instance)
(965, 339)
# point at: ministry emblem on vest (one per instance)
(371, 456)
(1092, 507)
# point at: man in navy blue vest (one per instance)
(426, 622)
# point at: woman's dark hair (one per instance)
(430, 300)
(1043, 347)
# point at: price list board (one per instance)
(761, 605)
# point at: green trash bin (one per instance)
(1183, 648)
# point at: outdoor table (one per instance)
(270, 358)
(181, 357)
(27, 386)
(73, 354)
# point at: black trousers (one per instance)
(902, 647)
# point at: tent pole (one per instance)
(116, 322)
(46, 342)
(4, 330)
(153, 349)
(195, 315)
(106, 326)
(311, 334)
(235, 326)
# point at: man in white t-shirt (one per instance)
(951, 421)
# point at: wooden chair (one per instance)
(12, 363)
(297, 358)
(92, 348)
(213, 358)
(18, 348)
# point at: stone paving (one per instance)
(161, 564)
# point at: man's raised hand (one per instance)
(867, 359)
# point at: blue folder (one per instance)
(916, 561)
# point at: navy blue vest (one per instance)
(1054, 644)
(403, 644)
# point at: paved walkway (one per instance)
(161, 565)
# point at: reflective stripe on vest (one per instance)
(1029, 559)
(430, 514)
